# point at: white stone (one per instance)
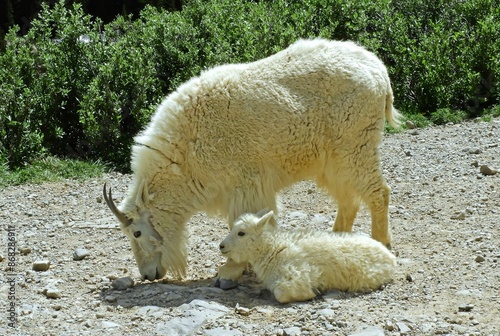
(327, 313)
(80, 253)
(192, 316)
(292, 331)
(52, 293)
(109, 324)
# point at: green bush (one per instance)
(447, 115)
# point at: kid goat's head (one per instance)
(246, 230)
(156, 250)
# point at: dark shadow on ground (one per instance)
(171, 294)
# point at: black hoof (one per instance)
(225, 284)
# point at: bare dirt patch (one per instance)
(445, 217)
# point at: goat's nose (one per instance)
(221, 246)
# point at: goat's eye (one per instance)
(241, 233)
(137, 234)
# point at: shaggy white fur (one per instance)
(296, 265)
(227, 141)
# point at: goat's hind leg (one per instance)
(290, 291)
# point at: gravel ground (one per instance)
(445, 217)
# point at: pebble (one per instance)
(25, 250)
(474, 151)
(111, 298)
(297, 215)
(191, 316)
(327, 313)
(291, 331)
(241, 310)
(41, 265)
(109, 324)
(460, 215)
(465, 307)
(122, 283)
(403, 328)
(2, 257)
(52, 293)
(410, 278)
(410, 124)
(80, 253)
(485, 170)
(479, 259)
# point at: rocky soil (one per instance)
(445, 217)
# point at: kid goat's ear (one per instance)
(264, 218)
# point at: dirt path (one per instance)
(445, 218)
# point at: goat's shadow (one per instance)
(172, 293)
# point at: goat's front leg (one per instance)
(229, 273)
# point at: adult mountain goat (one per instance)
(227, 141)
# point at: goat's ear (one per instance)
(143, 196)
(265, 218)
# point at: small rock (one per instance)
(389, 325)
(460, 215)
(465, 307)
(41, 265)
(1, 257)
(328, 314)
(485, 170)
(414, 132)
(479, 258)
(80, 253)
(122, 283)
(25, 250)
(241, 310)
(475, 164)
(52, 293)
(403, 328)
(474, 151)
(410, 278)
(279, 332)
(109, 324)
(410, 124)
(297, 215)
(111, 298)
(292, 331)
(265, 311)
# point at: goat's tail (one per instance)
(393, 117)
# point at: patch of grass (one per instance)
(494, 111)
(50, 169)
(445, 115)
(419, 120)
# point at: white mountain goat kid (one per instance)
(297, 265)
(227, 141)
